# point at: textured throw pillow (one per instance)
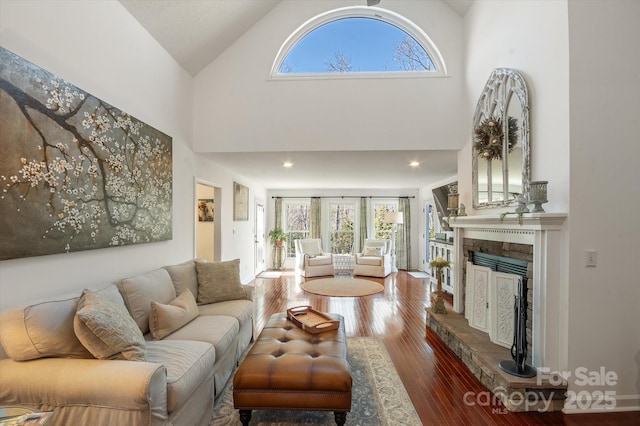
(106, 330)
(165, 319)
(373, 251)
(184, 276)
(219, 281)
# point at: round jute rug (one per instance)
(342, 287)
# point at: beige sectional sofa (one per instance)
(70, 354)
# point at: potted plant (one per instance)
(277, 236)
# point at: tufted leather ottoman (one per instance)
(290, 369)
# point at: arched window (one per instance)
(358, 41)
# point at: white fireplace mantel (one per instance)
(530, 221)
(543, 232)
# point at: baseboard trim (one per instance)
(623, 403)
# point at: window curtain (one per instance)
(363, 222)
(315, 219)
(278, 213)
(403, 239)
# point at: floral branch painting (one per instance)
(75, 172)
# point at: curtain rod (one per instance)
(351, 196)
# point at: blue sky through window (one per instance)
(368, 45)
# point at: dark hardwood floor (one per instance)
(442, 389)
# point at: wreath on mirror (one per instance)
(489, 137)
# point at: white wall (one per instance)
(530, 36)
(580, 61)
(328, 114)
(604, 327)
(100, 48)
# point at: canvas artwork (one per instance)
(240, 202)
(206, 210)
(75, 172)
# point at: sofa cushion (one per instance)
(165, 319)
(319, 260)
(139, 291)
(218, 330)
(45, 328)
(219, 281)
(370, 260)
(242, 310)
(106, 330)
(184, 276)
(188, 364)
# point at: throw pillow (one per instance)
(106, 330)
(372, 251)
(165, 319)
(219, 281)
(184, 276)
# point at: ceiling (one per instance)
(342, 170)
(195, 32)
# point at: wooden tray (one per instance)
(311, 320)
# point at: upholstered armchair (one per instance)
(311, 260)
(375, 259)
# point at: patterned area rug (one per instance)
(342, 287)
(378, 395)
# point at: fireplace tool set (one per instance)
(518, 366)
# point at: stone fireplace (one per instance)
(536, 238)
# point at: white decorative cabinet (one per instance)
(489, 305)
(444, 249)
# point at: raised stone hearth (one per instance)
(481, 356)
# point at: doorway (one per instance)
(207, 225)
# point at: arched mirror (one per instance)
(501, 151)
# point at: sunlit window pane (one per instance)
(356, 45)
(296, 219)
(341, 224)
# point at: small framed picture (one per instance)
(205, 210)
(240, 202)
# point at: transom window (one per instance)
(357, 41)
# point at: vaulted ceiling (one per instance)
(195, 32)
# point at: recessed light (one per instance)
(414, 163)
(287, 164)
